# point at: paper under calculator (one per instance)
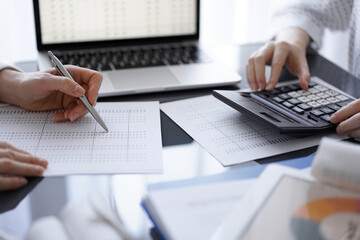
(289, 108)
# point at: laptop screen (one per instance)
(72, 21)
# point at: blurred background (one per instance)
(245, 22)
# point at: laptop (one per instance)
(138, 46)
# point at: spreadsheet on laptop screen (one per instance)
(68, 21)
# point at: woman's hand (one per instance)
(15, 164)
(48, 90)
(289, 49)
(349, 119)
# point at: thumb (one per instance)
(67, 86)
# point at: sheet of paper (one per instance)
(195, 212)
(228, 135)
(133, 144)
(337, 163)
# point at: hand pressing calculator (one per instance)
(289, 108)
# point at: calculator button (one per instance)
(294, 94)
(278, 100)
(327, 110)
(298, 110)
(321, 88)
(285, 89)
(342, 104)
(323, 102)
(314, 104)
(322, 95)
(274, 92)
(326, 117)
(305, 106)
(312, 84)
(287, 104)
(303, 92)
(294, 87)
(332, 93)
(342, 97)
(304, 99)
(284, 96)
(313, 97)
(316, 113)
(334, 107)
(333, 100)
(313, 90)
(294, 101)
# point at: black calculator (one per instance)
(290, 109)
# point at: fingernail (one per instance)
(66, 115)
(55, 118)
(339, 130)
(22, 181)
(78, 90)
(333, 118)
(269, 87)
(39, 169)
(43, 161)
(74, 117)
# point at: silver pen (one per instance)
(62, 70)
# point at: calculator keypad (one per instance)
(317, 102)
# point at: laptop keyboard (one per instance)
(125, 58)
(315, 104)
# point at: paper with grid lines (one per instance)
(133, 144)
(228, 135)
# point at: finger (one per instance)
(345, 112)
(12, 167)
(303, 72)
(62, 84)
(252, 83)
(298, 66)
(259, 66)
(92, 78)
(59, 117)
(93, 91)
(63, 116)
(251, 75)
(77, 112)
(349, 124)
(281, 52)
(9, 183)
(264, 55)
(5, 145)
(354, 133)
(22, 157)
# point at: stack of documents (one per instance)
(193, 212)
(285, 203)
(194, 208)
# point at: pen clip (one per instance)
(52, 62)
(56, 66)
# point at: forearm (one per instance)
(312, 16)
(9, 86)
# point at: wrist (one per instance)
(9, 85)
(294, 36)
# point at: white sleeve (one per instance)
(5, 66)
(313, 16)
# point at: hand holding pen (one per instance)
(62, 70)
